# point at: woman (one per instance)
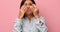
(29, 19)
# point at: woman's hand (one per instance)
(22, 12)
(36, 11)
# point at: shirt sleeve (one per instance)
(17, 25)
(41, 25)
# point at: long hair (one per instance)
(22, 3)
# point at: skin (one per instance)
(29, 8)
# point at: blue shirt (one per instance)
(36, 25)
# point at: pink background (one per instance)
(50, 9)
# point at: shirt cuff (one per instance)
(18, 20)
(41, 20)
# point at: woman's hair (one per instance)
(22, 3)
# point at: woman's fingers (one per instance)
(36, 11)
(34, 6)
(23, 8)
(21, 12)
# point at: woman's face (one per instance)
(28, 5)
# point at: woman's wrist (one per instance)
(19, 17)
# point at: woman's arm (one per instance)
(41, 25)
(17, 25)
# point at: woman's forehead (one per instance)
(28, 1)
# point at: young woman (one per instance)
(29, 19)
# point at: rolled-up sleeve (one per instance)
(17, 25)
(41, 25)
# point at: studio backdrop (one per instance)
(50, 9)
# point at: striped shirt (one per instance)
(24, 25)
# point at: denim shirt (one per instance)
(24, 25)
